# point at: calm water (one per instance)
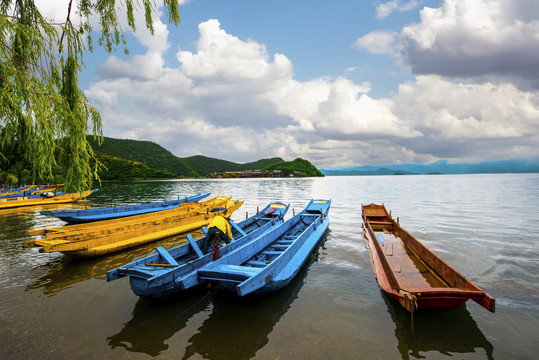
(486, 226)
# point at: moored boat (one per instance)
(173, 270)
(104, 237)
(272, 260)
(33, 200)
(409, 272)
(99, 214)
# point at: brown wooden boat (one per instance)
(409, 272)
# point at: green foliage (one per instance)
(11, 179)
(40, 100)
(204, 165)
(146, 152)
(303, 166)
(156, 157)
(122, 169)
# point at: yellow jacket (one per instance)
(222, 224)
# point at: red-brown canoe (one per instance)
(409, 272)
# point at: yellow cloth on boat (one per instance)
(222, 224)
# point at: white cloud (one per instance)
(378, 42)
(385, 9)
(57, 9)
(463, 120)
(477, 41)
(480, 40)
(231, 100)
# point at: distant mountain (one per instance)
(164, 164)
(203, 165)
(520, 165)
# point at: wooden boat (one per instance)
(33, 200)
(104, 237)
(16, 191)
(32, 191)
(272, 260)
(99, 214)
(174, 270)
(409, 272)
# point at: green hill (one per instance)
(203, 165)
(155, 157)
(123, 169)
(301, 165)
(146, 152)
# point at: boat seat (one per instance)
(280, 246)
(238, 229)
(380, 223)
(269, 252)
(194, 245)
(166, 256)
(238, 270)
(256, 263)
(285, 242)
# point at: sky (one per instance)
(340, 83)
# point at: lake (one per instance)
(485, 226)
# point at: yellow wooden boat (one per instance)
(118, 237)
(85, 231)
(9, 203)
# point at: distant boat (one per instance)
(31, 191)
(272, 260)
(108, 236)
(409, 272)
(174, 270)
(98, 214)
(32, 200)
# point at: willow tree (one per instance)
(43, 111)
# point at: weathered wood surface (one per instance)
(89, 242)
(411, 273)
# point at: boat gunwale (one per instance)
(389, 282)
(280, 262)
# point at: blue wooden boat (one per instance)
(271, 261)
(174, 270)
(98, 214)
(31, 192)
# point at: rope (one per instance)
(413, 307)
(213, 251)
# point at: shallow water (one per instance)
(485, 226)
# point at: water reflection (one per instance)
(448, 331)
(154, 322)
(238, 327)
(62, 272)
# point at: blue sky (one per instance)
(340, 83)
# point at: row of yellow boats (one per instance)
(40, 197)
(108, 236)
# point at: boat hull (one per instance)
(105, 237)
(272, 260)
(157, 275)
(100, 214)
(10, 203)
(410, 273)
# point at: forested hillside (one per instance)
(146, 152)
(123, 169)
(204, 165)
(156, 157)
(301, 165)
